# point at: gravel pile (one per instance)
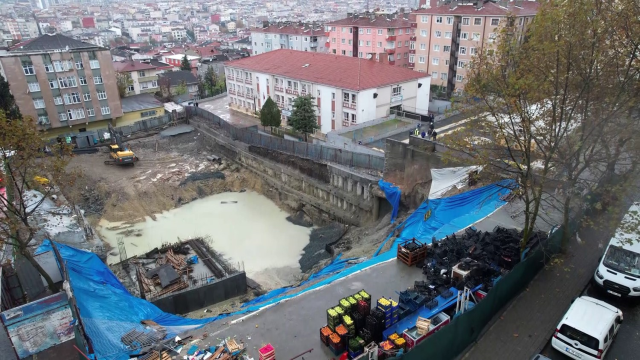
(320, 238)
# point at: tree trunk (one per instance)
(25, 252)
(565, 222)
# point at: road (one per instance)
(627, 343)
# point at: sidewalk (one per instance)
(529, 321)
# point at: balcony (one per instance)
(230, 77)
(412, 38)
(392, 62)
(231, 91)
(390, 50)
(247, 81)
(349, 105)
(304, 93)
(289, 91)
(414, 25)
(412, 51)
(280, 105)
(278, 88)
(296, 93)
(411, 65)
(313, 44)
(391, 38)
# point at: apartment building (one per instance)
(384, 38)
(143, 74)
(303, 37)
(66, 85)
(450, 33)
(347, 90)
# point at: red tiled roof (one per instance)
(525, 8)
(379, 21)
(128, 65)
(333, 70)
(289, 30)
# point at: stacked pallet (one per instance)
(267, 352)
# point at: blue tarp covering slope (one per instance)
(392, 193)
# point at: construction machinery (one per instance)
(118, 153)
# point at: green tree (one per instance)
(20, 154)
(303, 117)
(7, 101)
(185, 64)
(153, 42)
(210, 81)
(202, 91)
(180, 89)
(270, 114)
(123, 80)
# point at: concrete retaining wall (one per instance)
(195, 299)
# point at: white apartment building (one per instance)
(294, 37)
(347, 90)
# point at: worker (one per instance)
(416, 132)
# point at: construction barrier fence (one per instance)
(464, 329)
(298, 148)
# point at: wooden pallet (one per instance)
(412, 258)
(423, 325)
(233, 346)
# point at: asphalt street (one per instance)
(626, 345)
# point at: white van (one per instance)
(619, 270)
(587, 330)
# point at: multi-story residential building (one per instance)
(347, 90)
(303, 37)
(384, 38)
(171, 80)
(143, 75)
(66, 85)
(449, 34)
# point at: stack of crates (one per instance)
(347, 321)
(365, 296)
(363, 308)
(400, 343)
(336, 344)
(267, 352)
(346, 306)
(325, 332)
(333, 317)
(390, 310)
(356, 345)
(342, 331)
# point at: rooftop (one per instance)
(139, 103)
(379, 21)
(50, 42)
(130, 65)
(289, 30)
(177, 77)
(334, 70)
(181, 56)
(524, 8)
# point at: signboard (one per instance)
(286, 112)
(395, 99)
(39, 325)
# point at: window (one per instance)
(57, 100)
(449, 20)
(67, 81)
(438, 19)
(463, 50)
(443, 76)
(361, 42)
(495, 22)
(141, 74)
(148, 113)
(91, 112)
(473, 51)
(446, 62)
(42, 120)
(48, 68)
(434, 74)
(421, 59)
(400, 32)
(438, 33)
(28, 69)
(423, 33)
(477, 21)
(130, 88)
(94, 64)
(359, 54)
(38, 103)
(459, 78)
(71, 98)
(58, 65)
(406, 55)
(465, 21)
(344, 29)
(475, 37)
(345, 97)
(379, 43)
(492, 37)
(333, 115)
(436, 47)
(361, 31)
(154, 83)
(344, 52)
(461, 64)
(75, 114)
(34, 86)
(79, 65)
(446, 48)
(369, 31)
(396, 90)
(368, 43)
(464, 36)
(345, 116)
(399, 43)
(423, 46)
(379, 31)
(97, 80)
(83, 80)
(353, 118)
(447, 34)
(105, 110)
(577, 335)
(435, 61)
(406, 43)
(333, 40)
(412, 45)
(424, 19)
(411, 58)
(62, 116)
(86, 97)
(343, 40)
(350, 53)
(350, 42)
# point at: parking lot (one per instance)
(626, 345)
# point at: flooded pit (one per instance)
(244, 227)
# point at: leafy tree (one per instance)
(270, 114)
(185, 64)
(210, 81)
(303, 117)
(202, 92)
(153, 42)
(7, 101)
(180, 89)
(123, 80)
(22, 160)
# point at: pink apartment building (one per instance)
(383, 37)
(450, 33)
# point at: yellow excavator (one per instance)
(119, 154)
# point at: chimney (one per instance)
(453, 4)
(479, 4)
(349, 14)
(372, 16)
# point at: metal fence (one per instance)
(302, 149)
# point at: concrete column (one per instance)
(366, 193)
(358, 189)
(350, 185)
(340, 181)
(331, 199)
(376, 208)
(346, 205)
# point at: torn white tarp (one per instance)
(443, 180)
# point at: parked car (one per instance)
(539, 357)
(587, 330)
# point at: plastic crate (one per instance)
(325, 332)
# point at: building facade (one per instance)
(384, 38)
(295, 37)
(347, 91)
(449, 34)
(143, 76)
(64, 84)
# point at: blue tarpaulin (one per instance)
(392, 193)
